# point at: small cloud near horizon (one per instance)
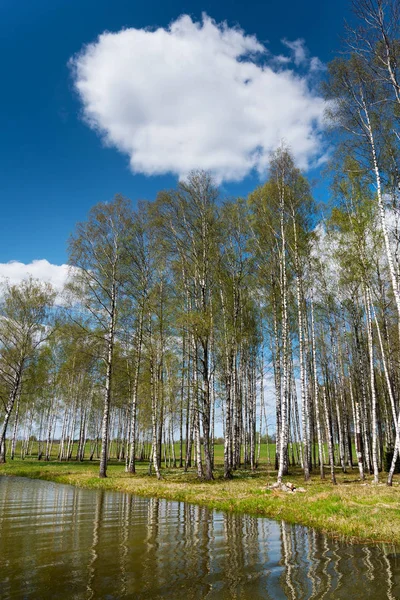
(14, 272)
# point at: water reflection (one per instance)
(61, 542)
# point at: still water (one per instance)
(58, 541)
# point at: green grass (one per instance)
(350, 510)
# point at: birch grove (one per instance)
(197, 319)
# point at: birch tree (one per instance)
(25, 325)
(96, 253)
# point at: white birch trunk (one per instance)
(381, 207)
(372, 385)
(283, 443)
(329, 436)
(130, 468)
(107, 390)
(9, 407)
(316, 399)
(15, 429)
(304, 407)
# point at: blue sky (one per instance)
(54, 167)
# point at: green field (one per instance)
(267, 450)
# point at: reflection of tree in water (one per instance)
(205, 549)
(312, 563)
(150, 569)
(95, 549)
(193, 552)
(325, 562)
(234, 554)
(96, 545)
(368, 563)
(286, 536)
(125, 509)
(337, 558)
(389, 577)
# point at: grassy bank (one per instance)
(351, 510)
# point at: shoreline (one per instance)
(351, 511)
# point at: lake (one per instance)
(58, 541)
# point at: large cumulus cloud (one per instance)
(199, 95)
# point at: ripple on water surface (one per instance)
(57, 541)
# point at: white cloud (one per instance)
(316, 64)
(197, 95)
(298, 49)
(15, 271)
